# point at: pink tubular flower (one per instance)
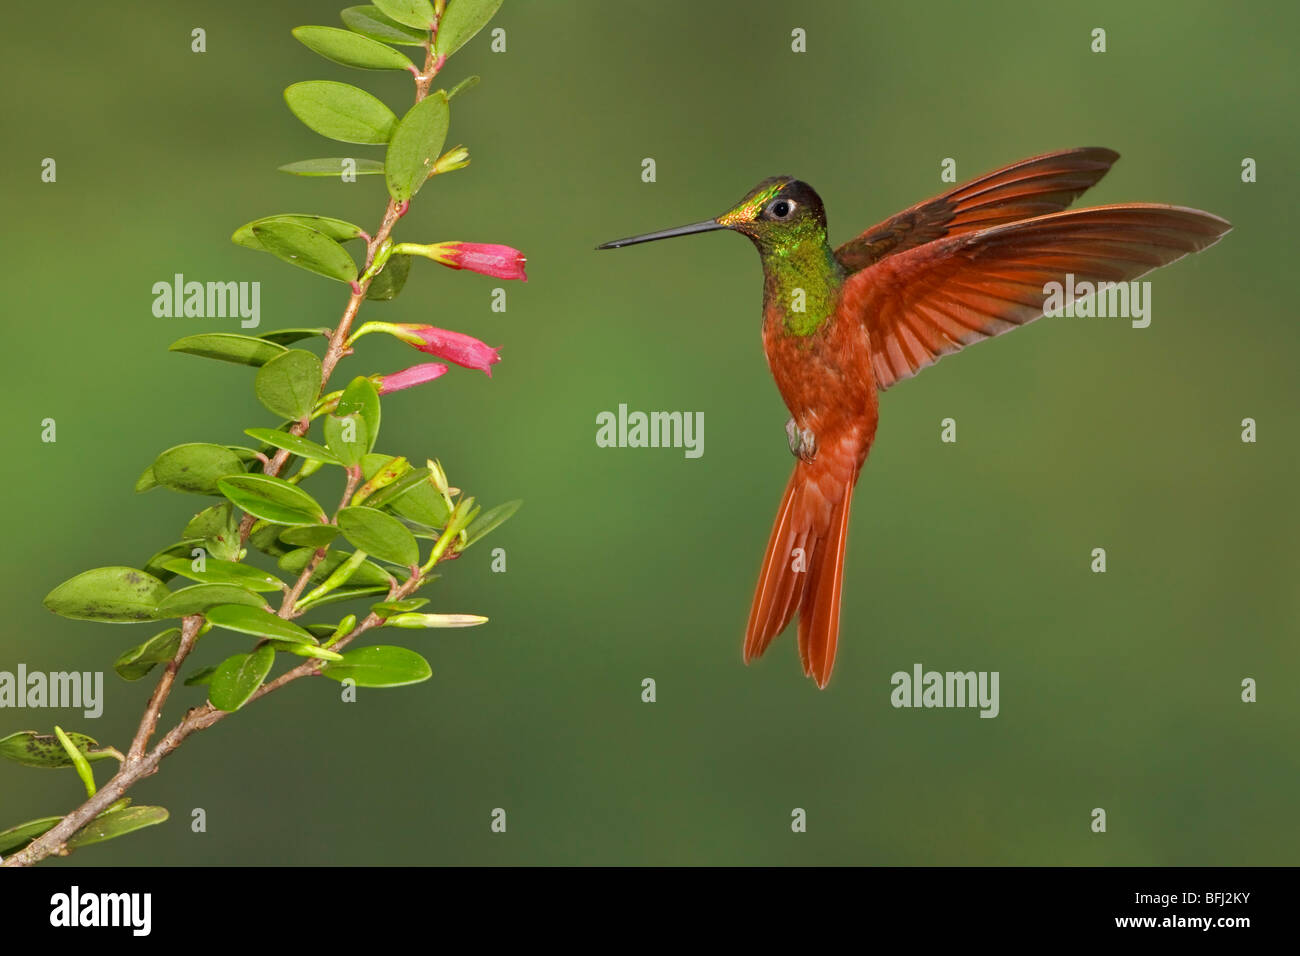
(410, 377)
(500, 262)
(464, 350)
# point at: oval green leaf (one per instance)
(237, 677)
(216, 571)
(197, 598)
(411, 13)
(311, 535)
(334, 166)
(336, 229)
(287, 386)
(196, 467)
(371, 22)
(380, 666)
(490, 520)
(415, 145)
(302, 447)
(258, 622)
(462, 19)
(140, 660)
(389, 608)
(271, 499)
(351, 49)
(308, 249)
(116, 823)
(200, 677)
(229, 347)
(466, 84)
(180, 549)
(115, 595)
(390, 280)
(31, 749)
(380, 535)
(341, 111)
(15, 838)
(289, 336)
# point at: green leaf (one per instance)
(466, 84)
(266, 538)
(360, 399)
(289, 336)
(141, 659)
(333, 166)
(225, 572)
(180, 549)
(336, 229)
(379, 534)
(228, 347)
(372, 22)
(196, 467)
(389, 608)
(272, 499)
(398, 487)
(116, 823)
(217, 527)
(415, 145)
(237, 677)
(310, 535)
(367, 575)
(347, 593)
(390, 280)
(200, 677)
(380, 666)
(147, 480)
(411, 13)
(288, 385)
(115, 595)
(462, 19)
(351, 49)
(347, 437)
(197, 598)
(490, 520)
(31, 749)
(306, 248)
(302, 447)
(422, 504)
(258, 622)
(341, 111)
(17, 837)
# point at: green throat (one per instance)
(802, 279)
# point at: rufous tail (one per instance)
(803, 569)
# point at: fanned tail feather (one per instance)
(803, 569)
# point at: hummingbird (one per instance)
(841, 325)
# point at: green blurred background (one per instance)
(1118, 690)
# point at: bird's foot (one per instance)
(803, 443)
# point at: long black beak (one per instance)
(707, 226)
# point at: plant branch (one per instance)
(141, 762)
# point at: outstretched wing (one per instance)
(1032, 187)
(922, 304)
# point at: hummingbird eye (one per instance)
(781, 209)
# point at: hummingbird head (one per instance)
(778, 214)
